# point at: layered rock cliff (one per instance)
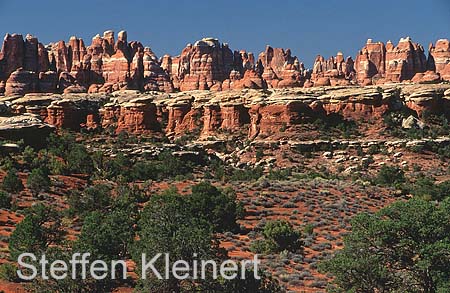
(248, 113)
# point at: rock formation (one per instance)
(112, 64)
(404, 60)
(334, 71)
(370, 62)
(377, 63)
(254, 113)
(280, 69)
(28, 127)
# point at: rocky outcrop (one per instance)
(202, 65)
(182, 119)
(370, 62)
(269, 119)
(378, 64)
(280, 69)
(21, 82)
(334, 71)
(137, 116)
(74, 112)
(12, 54)
(254, 113)
(104, 66)
(439, 58)
(28, 127)
(404, 60)
(234, 116)
(426, 98)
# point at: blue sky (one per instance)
(307, 27)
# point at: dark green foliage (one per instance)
(67, 156)
(107, 236)
(279, 235)
(402, 248)
(164, 166)
(263, 246)
(282, 174)
(93, 198)
(38, 180)
(336, 123)
(215, 206)
(435, 125)
(169, 166)
(283, 235)
(12, 183)
(167, 225)
(60, 145)
(68, 285)
(220, 171)
(5, 200)
(28, 155)
(427, 188)
(390, 175)
(79, 160)
(113, 167)
(308, 229)
(40, 228)
(8, 272)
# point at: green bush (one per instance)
(93, 198)
(401, 248)
(28, 155)
(40, 229)
(308, 229)
(12, 182)
(79, 160)
(283, 235)
(215, 206)
(262, 246)
(279, 235)
(427, 188)
(282, 174)
(5, 200)
(165, 166)
(38, 180)
(390, 175)
(8, 272)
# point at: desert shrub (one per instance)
(94, 198)
(79, 160)
(218, 207)
(5, 200)
(308, 229)
(12, 183)
(38, 180)
(282, 174)
(426, 188)
(164, 166)
(262, 246)
(402, 246)
(246, 174)
(28, 155)
(390, 175)
(280, 236)
(40, 228)
(8, 272)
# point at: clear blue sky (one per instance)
(307, 27)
